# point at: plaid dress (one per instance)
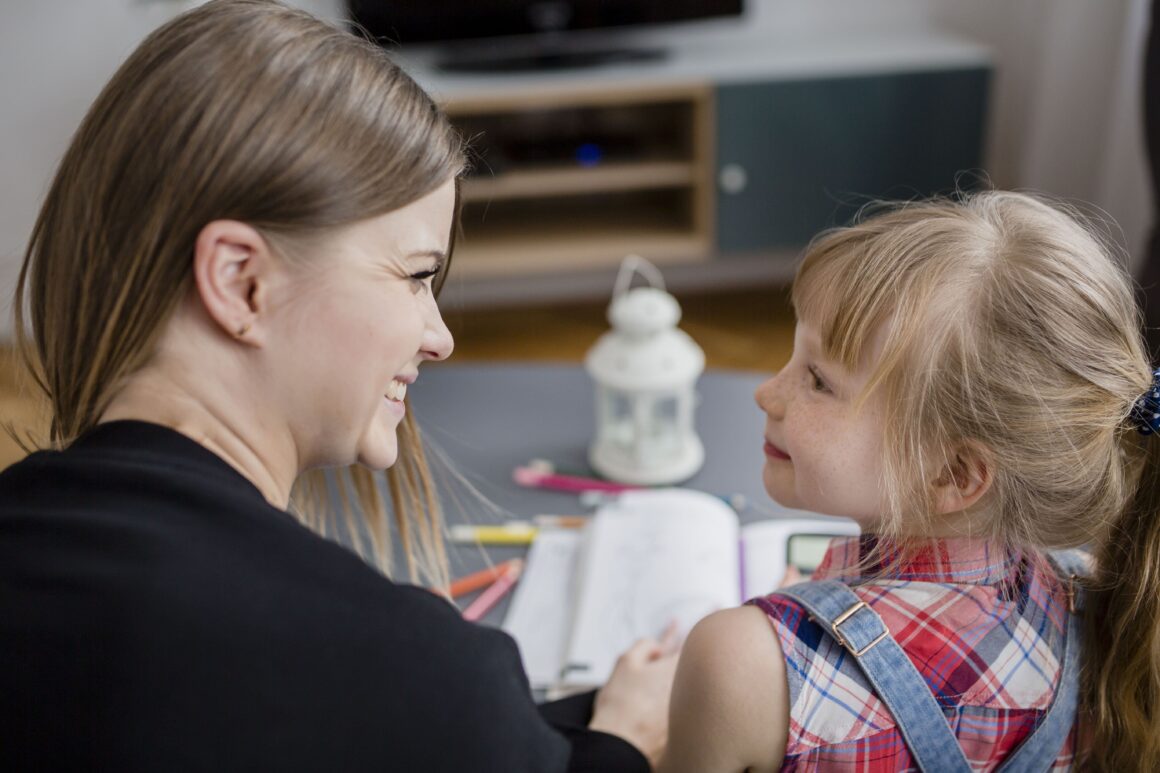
(983, 625)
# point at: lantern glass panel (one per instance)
(664, 416)
(620, 418)
(664, 432)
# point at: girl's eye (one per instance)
(421, 279)
(817, 382)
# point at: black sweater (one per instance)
(156, 613)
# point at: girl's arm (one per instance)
(730, 705)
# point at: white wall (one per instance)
(1064, 120)
(54, 59)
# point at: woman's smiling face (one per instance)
(358, 324)
(822, 454)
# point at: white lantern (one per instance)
(645, 370)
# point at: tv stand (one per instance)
(493, 61)
(717, 163)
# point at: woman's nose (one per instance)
(437, 339)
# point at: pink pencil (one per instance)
(535, 478)
(496, 591)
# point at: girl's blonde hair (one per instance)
(244, 110)
(1011, 334)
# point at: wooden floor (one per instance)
(747, 330)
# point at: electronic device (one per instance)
(804, 552)
(504, 35)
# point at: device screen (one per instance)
(805, 551)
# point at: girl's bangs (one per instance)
(837, 293)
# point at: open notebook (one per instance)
(646, 558)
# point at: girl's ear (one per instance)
(964, 479)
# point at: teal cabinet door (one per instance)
(794, 157)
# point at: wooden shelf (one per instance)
(542, 213)
(572, 180)
(531, 250)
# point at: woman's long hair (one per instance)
(244, 110)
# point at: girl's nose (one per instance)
(769, 397)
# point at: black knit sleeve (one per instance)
(591, 750)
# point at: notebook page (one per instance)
(651, 557)
(541, 608)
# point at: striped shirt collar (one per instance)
(959, 561)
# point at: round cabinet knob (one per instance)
(733, 178)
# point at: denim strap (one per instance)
(896, 681)
(928, 735)
(1039, 750)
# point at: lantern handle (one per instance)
(636, 264)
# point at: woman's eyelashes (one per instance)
(421, 280)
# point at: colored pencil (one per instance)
(561, 521)
(512, 532)
(481, 579)
(494, 592)
(532, 477)
(540, 474)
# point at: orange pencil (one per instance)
(481, 579)
(496, 591)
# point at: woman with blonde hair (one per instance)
(232, 283)
(969, 383)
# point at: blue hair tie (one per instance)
(1146, 411)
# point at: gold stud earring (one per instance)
(245, 328)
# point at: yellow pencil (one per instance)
(513, 532)
(520, 533)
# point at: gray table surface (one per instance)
(485, 420)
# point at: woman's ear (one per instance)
(232, 269)
(965, 477)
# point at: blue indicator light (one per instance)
(589, 154)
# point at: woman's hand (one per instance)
(634, 704)
(792, 577)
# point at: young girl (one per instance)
(969, 383)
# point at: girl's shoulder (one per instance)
(729, 701)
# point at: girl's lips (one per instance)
(773, 452)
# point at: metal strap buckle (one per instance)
(845, 642)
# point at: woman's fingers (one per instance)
(792, 577)
(648, 649)
(671, 639)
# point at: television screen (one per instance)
(435, 21)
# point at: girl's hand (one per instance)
(634, 704)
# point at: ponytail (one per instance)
(1122, 671)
